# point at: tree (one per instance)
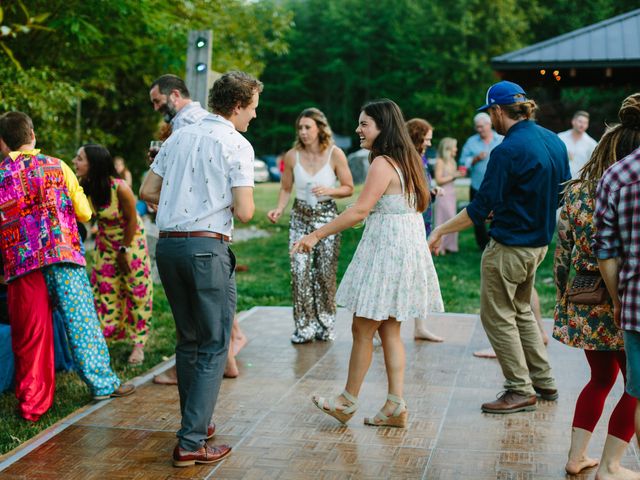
(432, 58)
(108, 53)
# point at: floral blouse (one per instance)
(589, 327)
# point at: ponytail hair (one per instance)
(521, 111)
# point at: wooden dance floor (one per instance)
(277, 433)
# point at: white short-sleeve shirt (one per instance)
(579, 152)
(199, 165)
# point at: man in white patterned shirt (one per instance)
(201, 178)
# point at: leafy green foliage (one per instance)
(431, 57)
(107, 53)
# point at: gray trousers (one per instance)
(198, 278)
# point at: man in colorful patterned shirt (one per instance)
(617, 247)
(39, 201)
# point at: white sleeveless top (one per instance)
(304, 182)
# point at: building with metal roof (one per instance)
(605, 53)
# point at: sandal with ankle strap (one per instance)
(341, 415)
(397, 419)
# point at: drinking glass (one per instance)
(154, 148)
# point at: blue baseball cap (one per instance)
(504, 93)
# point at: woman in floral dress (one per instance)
(121, 275)
(591, 327)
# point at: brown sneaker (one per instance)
(211, 430)
(121, 391)
(550, 394)
(206, 454)
(510, 402)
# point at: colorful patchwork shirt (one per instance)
(37, 213)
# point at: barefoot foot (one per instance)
(137, 356)
(619, 473)
(424, 334)
(170, 377)
(486, 353)
(574, 467)
(231, 368)
(238, 343)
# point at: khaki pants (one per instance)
(508, 274)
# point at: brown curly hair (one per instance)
(232, 89)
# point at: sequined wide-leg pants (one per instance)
(313, 275)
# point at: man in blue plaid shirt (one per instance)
(617, 247)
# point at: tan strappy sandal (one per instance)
(397, 419)
(341, 415)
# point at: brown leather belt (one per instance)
(220, 236)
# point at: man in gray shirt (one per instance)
(201, 178)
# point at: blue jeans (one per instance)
(632, 349)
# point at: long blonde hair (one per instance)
(445, 149)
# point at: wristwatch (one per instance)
(123, 249)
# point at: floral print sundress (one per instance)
(124, 302)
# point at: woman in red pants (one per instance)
(591, 327)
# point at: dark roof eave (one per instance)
(565, 64)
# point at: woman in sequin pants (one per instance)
(314, 165)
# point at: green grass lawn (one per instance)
(265, 283)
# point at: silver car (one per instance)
(260, 171)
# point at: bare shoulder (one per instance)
(382, 165)
(382, 161)
(290, 158)
(338, 157)
(122, 187)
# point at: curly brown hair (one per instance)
(325, 135)
(233, 89)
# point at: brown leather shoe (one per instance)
(206, 454)
(511, 402)
(211, 430)
(550, 394)
(121, 391)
